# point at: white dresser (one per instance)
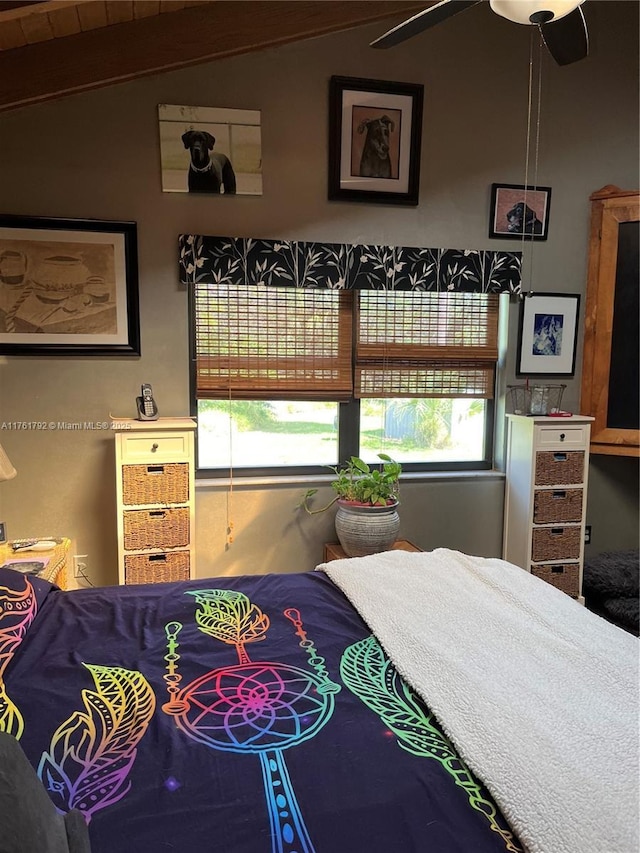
(546, 497)
(155, 462)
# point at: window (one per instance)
(294, 379)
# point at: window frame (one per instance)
(348, 431)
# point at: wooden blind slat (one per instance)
(415, 352)
(438, 380)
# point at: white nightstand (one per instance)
(546, 497)
(155, 464)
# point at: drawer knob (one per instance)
(154, 447)
(562, 436)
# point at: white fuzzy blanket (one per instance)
(539, 695)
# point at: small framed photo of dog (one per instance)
(210, 150)
(519, 211)
(375, 133)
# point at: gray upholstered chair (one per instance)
(29, 822)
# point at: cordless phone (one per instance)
(147, 409)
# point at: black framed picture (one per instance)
(375, 133)
(68, 287)
(519, 211)
(548, 334)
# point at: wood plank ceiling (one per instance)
(33, 22)
(52, 48)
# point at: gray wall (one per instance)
(96, 155)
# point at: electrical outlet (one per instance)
(79, 565)
(587, 534)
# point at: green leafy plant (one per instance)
(358, 483)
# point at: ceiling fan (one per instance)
(561, 23)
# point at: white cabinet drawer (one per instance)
(569, 436)
(144, 447)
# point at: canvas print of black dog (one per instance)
(209, 170)
(523, 220)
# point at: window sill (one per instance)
(325, 479)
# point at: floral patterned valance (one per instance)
(290, 263)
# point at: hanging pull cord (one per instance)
(534, 32)
(230, 524)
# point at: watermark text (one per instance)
(63, 426)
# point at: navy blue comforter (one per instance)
(242, 715)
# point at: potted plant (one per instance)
(367, 519)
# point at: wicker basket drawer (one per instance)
(557, 505)
(156, 528)
(155, 484)
(156, 568)
(560, 467)
(565, 577)
(555, 543)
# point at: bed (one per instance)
(260, 714)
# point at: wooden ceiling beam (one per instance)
(15, 11)
(208, 31)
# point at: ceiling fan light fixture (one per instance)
(534, 11)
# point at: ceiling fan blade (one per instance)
(567, 39)
(422, 21)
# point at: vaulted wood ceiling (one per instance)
(51, 48)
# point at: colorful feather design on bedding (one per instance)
(371, 676)
(230, 617)
(92, 752)
(17, 611)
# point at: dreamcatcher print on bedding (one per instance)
(258, 708)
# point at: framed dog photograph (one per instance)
(519, 212)
(68, 287)
(548, 334)
(375, 133)
(210, 150)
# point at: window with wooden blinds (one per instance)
(414, 344)
(260, 342)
